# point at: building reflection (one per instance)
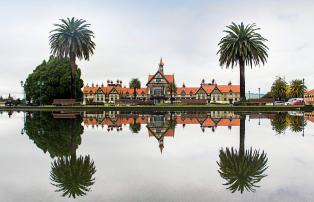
(160, 124)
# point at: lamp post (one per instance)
(22, 85)
(259, 93)
(249, 94)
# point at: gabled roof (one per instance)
(229, 122)
(207, 88)
(168, 77)
(208, 122)
(187, 90)
(229, 88)
(311, 92)
(222, 88)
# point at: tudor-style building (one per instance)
(157, 90)
(157, 85)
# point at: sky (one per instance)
(132, 36)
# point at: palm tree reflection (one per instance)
(242, 169)
(73, 176)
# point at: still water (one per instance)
(119, 156)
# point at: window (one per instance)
(157, 91)
(158, 80)
(183, 94)
(191, 94)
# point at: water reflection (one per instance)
(281, 121)
(60, 136)
(242, 169)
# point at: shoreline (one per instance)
(160, 108)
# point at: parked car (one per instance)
(279, 103)
(289, 102)
(8, 103)
(298, 102)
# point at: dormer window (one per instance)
(183, 93)
(191, 94)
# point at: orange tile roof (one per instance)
(311, 92)
(222, 88)
(208, 88)
(141, 90)
(168, 77)
(229, 88)
(181, 120)
(229, 122)
(169, 133)
(208, 122)
(187, 90)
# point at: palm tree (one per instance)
(135, 84)
(172, 88)
(242, 169)
(72, 39)
(242, 46)
(73, 176)
(297, 88)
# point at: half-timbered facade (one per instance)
(157, 90)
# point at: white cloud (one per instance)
(131, 38)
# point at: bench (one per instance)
(65, 102)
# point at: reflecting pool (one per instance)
(158, 156)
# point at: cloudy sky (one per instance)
(131, 36)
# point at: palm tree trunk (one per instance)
(242, 80)
(242, 134)
(73, 145)
(73, 75)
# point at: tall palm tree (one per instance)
(72, 39)
(172, 88)
(242, 46)
(242, 169)
(135, 84)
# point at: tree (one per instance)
(72, 39)
(52, 80)
(242, 169)
(135, 84)
(172, 88)
(297, 89)
(242, 46)
(279, 89)
(279, 122)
